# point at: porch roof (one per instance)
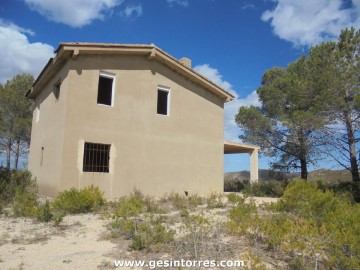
(236, 148)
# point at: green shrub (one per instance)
(234, 185)
(135, 204)
(122, 227)
(349, 189)
(145, 234)
(234, 198)
(195, 200)
(178, 201)
(319, 223)
(306, 200)
(74, 201)
(129, 206)
(151, 235)
(25, 200)
(215, 200)
(57, 216)
(44, 212)
(242, 216)
(269, 188)
(9, 181)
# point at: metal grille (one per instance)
(96, 157)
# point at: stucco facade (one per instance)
(180, 151)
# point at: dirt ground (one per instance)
(78, 243)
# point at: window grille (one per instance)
(96, 157)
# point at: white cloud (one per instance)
(75, 13)
(309, 22)
(231, 130)
(133, 10)
(18, 55)
(213, 75)
(248, 6)
(183, 3)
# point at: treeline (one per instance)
(15, 119)
(310, 110)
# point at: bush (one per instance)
(145, 234)
(234, 198)
(9, 181)
(350, 189)
(306, 200)
(242, 215)
(183, 202)
(151, 235)
(234, 185)
(319, 225)
(215, 200)
(44, 212)
(178, 201)
(25, 199)
(195, 200)
(74, 201)
(135, 204)
(269, 188)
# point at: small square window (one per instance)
(96, 157)
(163, 101)
(105, 90)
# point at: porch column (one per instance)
(254, 169)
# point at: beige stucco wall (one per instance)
(47, 132)
(153, 153)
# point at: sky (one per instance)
(232, 42)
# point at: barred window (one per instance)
(96, 157)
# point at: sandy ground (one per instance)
(27, 244)
(78, 243)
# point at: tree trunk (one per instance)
(303, 155)
(8, 153)
(351, 141)
(304, 171)
(17, 153)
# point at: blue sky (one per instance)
(232, 42)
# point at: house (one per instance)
(127, 116)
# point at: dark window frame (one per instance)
(105, 96)
(96, 157)
(163, 101)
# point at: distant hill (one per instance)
(330, 176)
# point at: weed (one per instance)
(269, 188)
(215, 200)
(195, 200)
(44, 212)
(145, 234)
(254, 262)
(152, 234)
(234, 199)
(25, 200)
(129, 206)
(178, 201)
(74, 201)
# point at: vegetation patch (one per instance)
(73, 201)
(268, 188)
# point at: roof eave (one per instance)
(68, 50)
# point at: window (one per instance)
(163, 101)
(96, 157)
(105, 89)
(56, 90)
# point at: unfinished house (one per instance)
(128, 116)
